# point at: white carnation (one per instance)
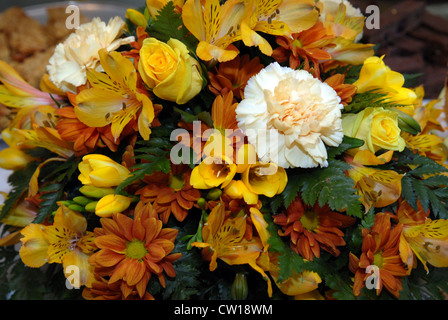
(79, 52)
(289, 117)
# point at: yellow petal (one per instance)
(110, 204)
(34, 246)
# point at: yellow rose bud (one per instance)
(13, 159)
(101, 171)
(169, 70)
(110, 204)
(375, 75)
(377, 127)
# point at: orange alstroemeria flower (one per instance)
(380, 249)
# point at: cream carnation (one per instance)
(79, 52)
(289, 117)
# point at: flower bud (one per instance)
(202, 203)
(214, 194)
(408, 123)
(90, 207)
(81, 200)
(136, 18)
(239, 287)
(76, 207)
(112, 203)
(13, 159)
(95, 192)
(101, 171)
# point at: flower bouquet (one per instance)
(239, 149)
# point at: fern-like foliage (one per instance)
(168, 24)
(328, 185)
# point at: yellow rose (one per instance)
(375, 75)
(101, 171)
(169, 70)
(377, 127)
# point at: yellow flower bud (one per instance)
(110, 204)
(265, 178)
(375, 75)
(101, 171)
(13, 159)
(137, 18)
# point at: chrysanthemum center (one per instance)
(310, 220)
(378, 259)
(135, 249)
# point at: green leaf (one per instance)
(422, 181)
(346, 144)
(289, 261)
(168, 24)
(155, 153)
(328, 185)
(373, 98)
(19, 181)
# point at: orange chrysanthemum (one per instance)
(131, 250)
(306, 46)
(233, 75)
(313, 228)
(86, 139)
(380, 248)
(101, 289)
(173, 195)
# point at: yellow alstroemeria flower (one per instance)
(224, 237)
(375, 75)
(36, 127)
(21, 215)
(101, 171)
(277, 17)
(422, 237)
(66, 242)
(215, 26)
(114, 97)
(377, 188)
(110, 204)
